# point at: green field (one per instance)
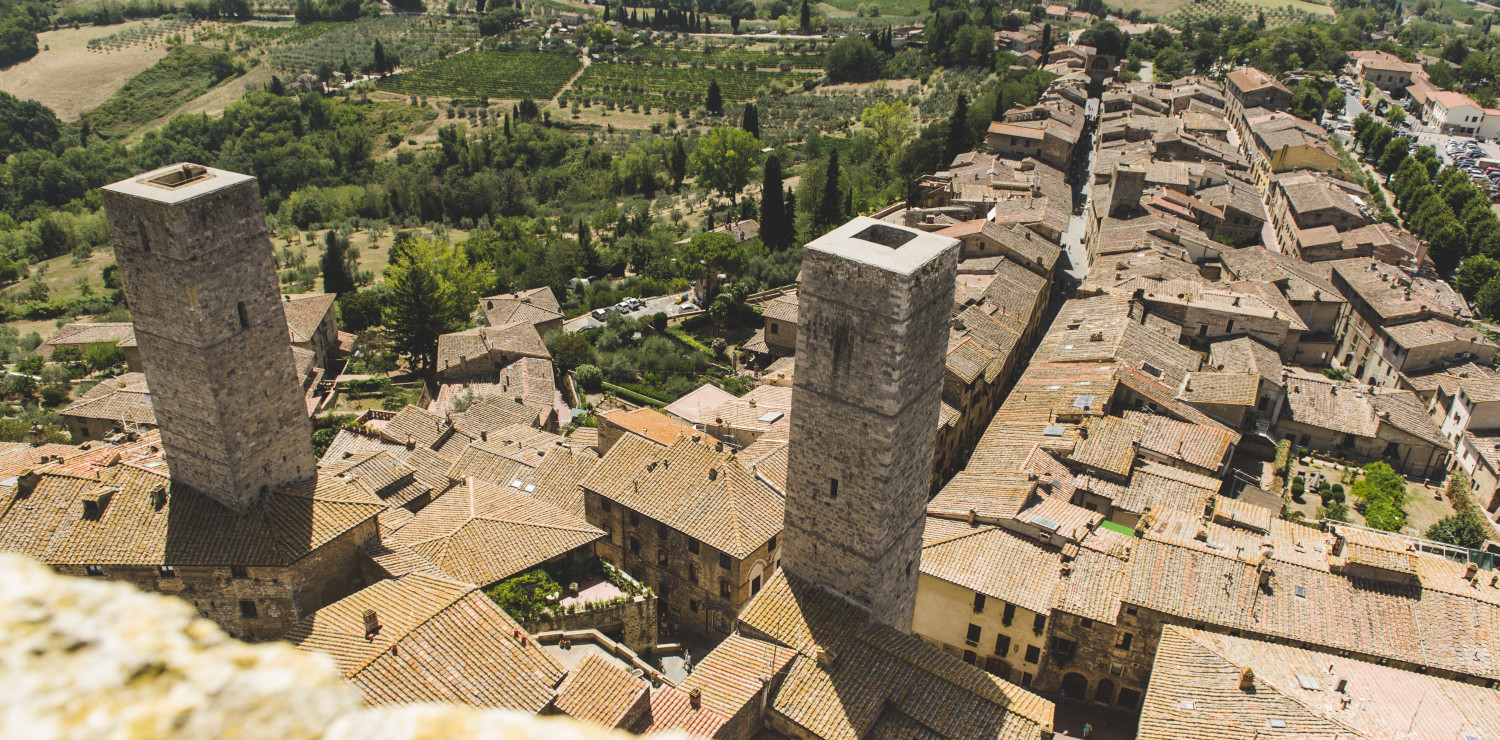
(729, 55)
(412, 40)
(185, 73)
(676, 86)
(887, 7)
(489, 74)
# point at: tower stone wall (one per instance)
(196, 264)
(874, 306)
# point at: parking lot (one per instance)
(660, 304)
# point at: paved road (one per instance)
(665, 304)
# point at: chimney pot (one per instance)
(372, 624)
(1247, 678)
(695, 698)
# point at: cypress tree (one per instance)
(678, 163)
(751, 121)
(775, 231)
(336, 278)
(958, 130)
(830, 210)
(1046, 42)
(999, 113)
(806, 17)
(380, 62)
(715, 102)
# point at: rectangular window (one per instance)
(972, 638)
(1033, 654)
(833, 488)
(693, 605)
(239, 571)
(1130, 610)
(724, 562)
(774, 329)
(605, 505)
(1039, 624)
(1063, 647)
(94, 570)
(1125, 642)
(635, 519)
(661, 531)
(693, 546)
(1002, 645)
(1086, 623)
(1115, 669)
(979, 603)
(244, 316)
(1025, 680)
(248, 610)
(724, 591)
(755, 585)
(771, 546)
(166, 571)
(692, 572)
(1008, 614)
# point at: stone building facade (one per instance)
(873, 313)
(632, 624)
(195, 261)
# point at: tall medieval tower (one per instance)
(195, 260)
(873, 313)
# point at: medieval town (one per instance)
(1160, 401)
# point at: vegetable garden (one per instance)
(489, 74)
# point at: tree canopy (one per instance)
(725, 159)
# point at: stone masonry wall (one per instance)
(632, 624)
(870, 365)
(212, 333)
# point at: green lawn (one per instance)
(185, 73)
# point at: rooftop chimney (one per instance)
(372, 624)
(695, 698)
(1247, 678)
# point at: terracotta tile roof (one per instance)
(600, 691)
(80, 334)
(1195, 694)
(1092, 584)
(382, 475)
(481, 532)
(767, 459)
(694, 406)
(531, 306)
(873, 681)
(755, 412)
(672, 711)
(556, 479)
(584, 437)
(1385, 290)
(648, 424)
(395, 559)
(1024, 243)
(1109, 446)
(1056, 514)
(1245, 355)
(999, 563)
(492, 414)
(1429, 332)
(1162, 486)
(1225, 388)
(520, 442)
(133, 406)
(439, 641)
(731, 676)
(305, 312)
(990, 496)
(423, 427)
(688, 486)
(528, 378)
(1197, 445)
(1354, 409)
(187, 529)
(783, 308)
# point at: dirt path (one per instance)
(584, 56)
(68, 78)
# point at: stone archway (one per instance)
(1075, 686)
(1105, 691)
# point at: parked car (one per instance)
(601, 313)
(687, 308)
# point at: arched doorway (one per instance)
(1075, 686)
(1105, 691)
(997, 667)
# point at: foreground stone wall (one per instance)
(632, 624)
(91, 659)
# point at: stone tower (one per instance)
(1125, 192)
(873, 313)
(195, 260)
